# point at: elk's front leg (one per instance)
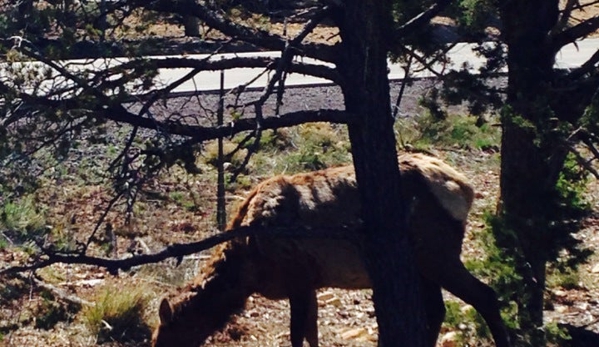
(304, 316)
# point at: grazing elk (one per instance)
(294, 268)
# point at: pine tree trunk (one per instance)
(529, 169)
(387, 251)
(192, 26)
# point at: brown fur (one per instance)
(280, 268)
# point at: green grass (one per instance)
(118, 313)
(425, 131)
(307, 147)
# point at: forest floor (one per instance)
(180, 208)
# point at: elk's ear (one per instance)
(165, 312)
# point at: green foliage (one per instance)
(557, 335)
(498, 265)
(184, 200)
(452, 131)
(475, 15)
(469, 324)
(590, 118)
(22, 216)
(306, 147)
(506, 269)
(118, 313)
(232, 154)
(563, 277)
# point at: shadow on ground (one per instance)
(581, 337)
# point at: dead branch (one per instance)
(57, 292)
(179, 250)
(576, 32)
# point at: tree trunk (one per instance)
(388, 256)
(192, 26)
(530, 165)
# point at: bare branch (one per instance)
(589, 66)
(199, 133)
(180, 250)
(420, 20)
(582, 7)
(582, 161)
(428, 66)
(286, 59)
(565, 14)
(315, 70)
(574, 33)
(257, 37)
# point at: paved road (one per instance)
(570, 56)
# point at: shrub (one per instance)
(22, 216)
(118, 314)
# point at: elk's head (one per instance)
(179, 329)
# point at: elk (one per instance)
(294, 268)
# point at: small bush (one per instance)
(118, 314)
(22, 216)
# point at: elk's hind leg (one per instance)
(304, 318)
(435, 309)
(454, 277)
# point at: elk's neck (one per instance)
(218, 293)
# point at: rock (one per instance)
(354, 334)
(335, 302)
(324, 297)
(449, 339)
(560, 293)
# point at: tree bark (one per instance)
(192, 26)
(530, 163)
(363, 67)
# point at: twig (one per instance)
(583, 162)
(6, 237)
